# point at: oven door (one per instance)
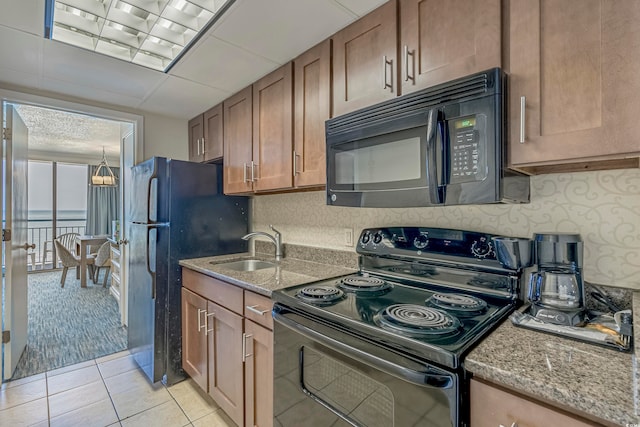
(325, 377)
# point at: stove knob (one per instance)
(421, 241)
(482, 248)
(365, 238)
(377, 238)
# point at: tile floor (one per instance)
(109, 391)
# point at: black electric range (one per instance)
(431, 293)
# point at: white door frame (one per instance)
(137, 120)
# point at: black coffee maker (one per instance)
(556, 289)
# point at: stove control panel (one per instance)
(425, 241)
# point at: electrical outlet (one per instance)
(348, 237)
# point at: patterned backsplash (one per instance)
(603, 206)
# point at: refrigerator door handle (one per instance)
(154, 175)
(147, 260)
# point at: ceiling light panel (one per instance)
(151, 33)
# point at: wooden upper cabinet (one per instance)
(273, 130)
(365, 61)
(574, 68)
(238, 140)
(212, 146)
(196, 135)
(442, 41)
(312, 71)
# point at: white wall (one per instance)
(165, 137)
(604, 207)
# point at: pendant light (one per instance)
(102, 180)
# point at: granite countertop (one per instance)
(583, 378)
(288, 272)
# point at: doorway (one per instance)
(129, 128)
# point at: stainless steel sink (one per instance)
(246, 265)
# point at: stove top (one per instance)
(427, 321)
(433, 305)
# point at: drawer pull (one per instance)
(253, 309)
(514, 424)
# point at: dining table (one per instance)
(82, 243)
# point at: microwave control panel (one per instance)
(468, 157)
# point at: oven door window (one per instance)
(364, 396)
(384, 162)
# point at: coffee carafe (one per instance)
(556, 289)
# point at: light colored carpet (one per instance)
(68, 325)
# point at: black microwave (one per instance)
(440, 146)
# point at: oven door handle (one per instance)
(439, 381)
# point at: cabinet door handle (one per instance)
(244, 172)
(513, 424)
(407, 77)
(253, 171)
(253, 309)
(295, 163)
(244, 347)
(200, 325)
(206, 323)
(523, 101)
(385, 62)
(203, 146)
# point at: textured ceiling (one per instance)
(60, 133)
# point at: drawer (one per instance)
(491, 406)
(222, 293)
(258, 308)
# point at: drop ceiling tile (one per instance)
(22, 55)
(282, 29)
(89, 93)
(24, 15)
(221, 65)
(361, 7)
(181, 98)
(92, 71)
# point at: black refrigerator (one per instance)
(177, 211)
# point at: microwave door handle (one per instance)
(432, 163)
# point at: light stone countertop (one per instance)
(289, 272)
(576, 376)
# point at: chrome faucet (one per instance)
(276, 239)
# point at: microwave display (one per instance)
(468, 157)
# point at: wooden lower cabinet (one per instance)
(194, 341)
(228, 349)
(225, 360)
(258, 374)
(492, 406)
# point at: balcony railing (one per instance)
(43, 238)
